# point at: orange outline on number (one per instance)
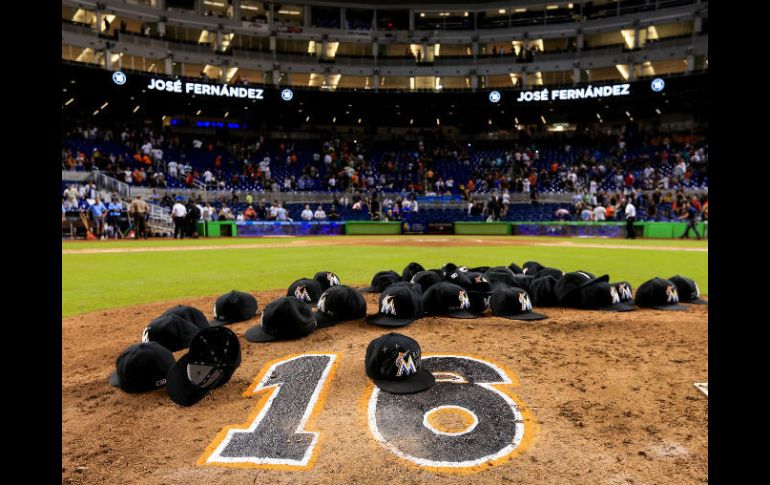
(531, 429)
(249, 392)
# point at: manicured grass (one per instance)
(97, 281)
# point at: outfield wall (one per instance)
(652, 230)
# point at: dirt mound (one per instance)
(612, 395)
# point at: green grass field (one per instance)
(94, 281)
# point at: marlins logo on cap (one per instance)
(671, 294)
(301, 293)
(333, 280)
(526, 304)
(388, 305)
(405, 365)
(465, 302)
(322, 303)
(625, 291)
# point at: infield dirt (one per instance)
(612, 395)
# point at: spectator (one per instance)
(99, 213)
(586, 214)
(250, 214)
(600, 213)
(307, 214)
(281, 214)
(320, 215)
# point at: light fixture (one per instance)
(198, 112)
(136, 109)
(104, 105)
(501, 11)
(69, 101)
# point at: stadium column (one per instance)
(307, 16)
(575, 75)
(169, 60)
(342, 17)
(107, 59)
(199, 7)
(218, 46)
(411, 20)
(237, 9)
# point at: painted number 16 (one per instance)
(493, 425)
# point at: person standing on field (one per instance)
(630, 211)
(138, 211)
(178, 213)
(691, 214)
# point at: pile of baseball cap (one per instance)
(213, 350)
(393, 360)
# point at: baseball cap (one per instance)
(602, 296)
(306, 290)
(233, 307)
(326, 279)
(522, 281)
(426, 279)
(398, 306)
(381, 280)
(394, 363)
(338, 304)
(555, 272)
(513, 303)
(408, 284)
(285, 318)
(568, 287)
(515, 268)
(410, 270)
(214, 355)
(688, 290)
(142, 367)
(531, 267)
(190, 314)
(479, 292)
(448, 299)
(448, 268)
(171, 331)
(459, 278)
(479, 269)
(500, 274)
(542, 291)
(659, 294)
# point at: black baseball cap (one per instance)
(459, 278)
(500, 274)
(233, 307)
(408, 284)
(142, 367)
(394, 363)
(191, 314)
(399, 305)
(410, 270)
(326, 279)
(531, 267)
(659, 294)
(542, 292)
(603, 296)
(306, 290)
(285, 318)
(426, 279)
(568, 287)
(479, 269)
(448, 268)
(522, 281)
(515, 268)
(214, 355)
(171, 331)
(688, 290)
(448, 299)
(513, 303)
(625, 292)
(338, 304)
(381, 280)
(555, 272)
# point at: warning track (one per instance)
(387, 241)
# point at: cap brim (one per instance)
(257, 334)
(419, 382)
(323, 320)
(114, 380)
(617, 307)
(215, 322)
(696, 302)
(675, 307)
(384, 321)
(525, 316)
(461, 314)
(178, 386)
